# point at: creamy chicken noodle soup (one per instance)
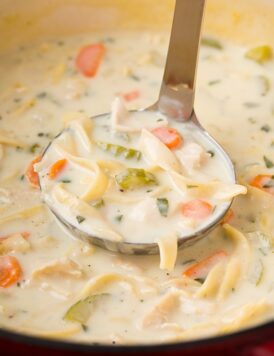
(154, 180)
(133, 177)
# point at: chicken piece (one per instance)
(162, 311)
(191, 156)
(64, 268)
(14, 243)
(145, 211)
(118, 114)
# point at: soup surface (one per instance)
(221, 284)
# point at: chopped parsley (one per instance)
(66, 181)
(213, 82)
(251, 120)
(135, 77)
(268, 162)
(211, 153)
(163, 205)
(250, 104)
(84, 327)
(200, 280)
(210, 42)
(97, 203)
(266, 128)
(41, 95)
(80, 219)
(34, 147)
(119, 218)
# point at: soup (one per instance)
(221, 284)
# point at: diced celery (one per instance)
(118, 150)
(133, 178)
(80, 311)
(259, 54)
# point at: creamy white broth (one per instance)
(39, 86)
(156, 204)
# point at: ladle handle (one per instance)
(178, 85)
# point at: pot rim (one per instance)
(258, 333)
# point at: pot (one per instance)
(243, 21)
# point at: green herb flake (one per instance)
(119, 218)
(34, 147)
(265, 85)
(212, 43)
(252, 120)
(268, 162)
(163, 206)
(84, 327)
(41, 95)
(22, 177)
(66, 181)
(97, 203)
(80, 219)
(200, 280)
(108, 40)
(213, 82)
(266, 128)
(186, 262)
(190, 186)
(250, 104)
(135, 77)
(211, 153)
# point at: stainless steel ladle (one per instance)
(175, 101)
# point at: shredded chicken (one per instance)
(191, 156)
(161, 312)
(64, 267)
(14, 243)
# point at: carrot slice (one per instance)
(228, 217)
(89, 59)
(57, 168)
(169, 136)
(202, 268)
(131, 95)
(31, 175)
(24, 234)
(10, 271)
(197, 209)
(264, 182)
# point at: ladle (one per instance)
(175, 101)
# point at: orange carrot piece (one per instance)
(31, 175)
(202, 268)
(57, 168)
(169, 136)
(24, 234)
(228, 217)
(10, 271)
(197, 209)
(264, 182)
(131, 95)
(89, 59)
